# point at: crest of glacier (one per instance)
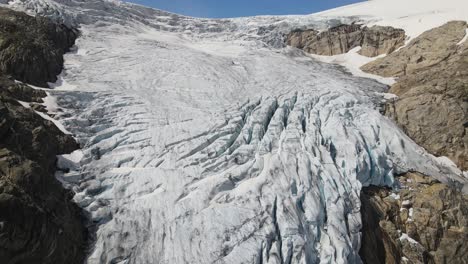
(208, 141)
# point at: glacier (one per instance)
(209, 141)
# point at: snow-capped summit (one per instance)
(208, 141)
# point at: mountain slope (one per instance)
(206, 141)
(38, 221)
(432, 90)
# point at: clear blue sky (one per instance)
(237, 8)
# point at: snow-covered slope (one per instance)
(205, 141)
(415, 16)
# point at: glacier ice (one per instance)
(206, 141)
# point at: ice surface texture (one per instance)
(205, 143)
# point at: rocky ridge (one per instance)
(38, 221)
(375, 40)
(432, 90)
(426, 221)
(32, 48)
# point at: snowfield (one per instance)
(207, 141)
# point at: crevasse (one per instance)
(208, 141)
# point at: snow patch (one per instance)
(50, 102)
(24, 104)
(464, 38)
(405, 236)
(353, 61)
(46, 117)
(56, 123)
(70, 161)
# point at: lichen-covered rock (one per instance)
(423, 222)
(373, 41)
(32, 48)
(432, 89)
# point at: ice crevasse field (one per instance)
(209, 141)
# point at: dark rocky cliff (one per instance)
(39, 223)
(32, 48)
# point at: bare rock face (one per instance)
(32, 48)
(433, 90)
(301, 39)
(39, 223)
(379, 236)
(429, 49)
(336, 40)
(424, 222)
(379, 40)
(374, 41)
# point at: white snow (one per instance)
(50, 103)
(415, 16)
(464, 38)
(24, 104)
(353, 61)
(405, 236)
(70, 161)
(205, 141)
(56, 123)
(45, 116)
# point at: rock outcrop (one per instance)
(373, 41)
(423, 222)
(32, 48)
(39, 223)
(432, 90)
